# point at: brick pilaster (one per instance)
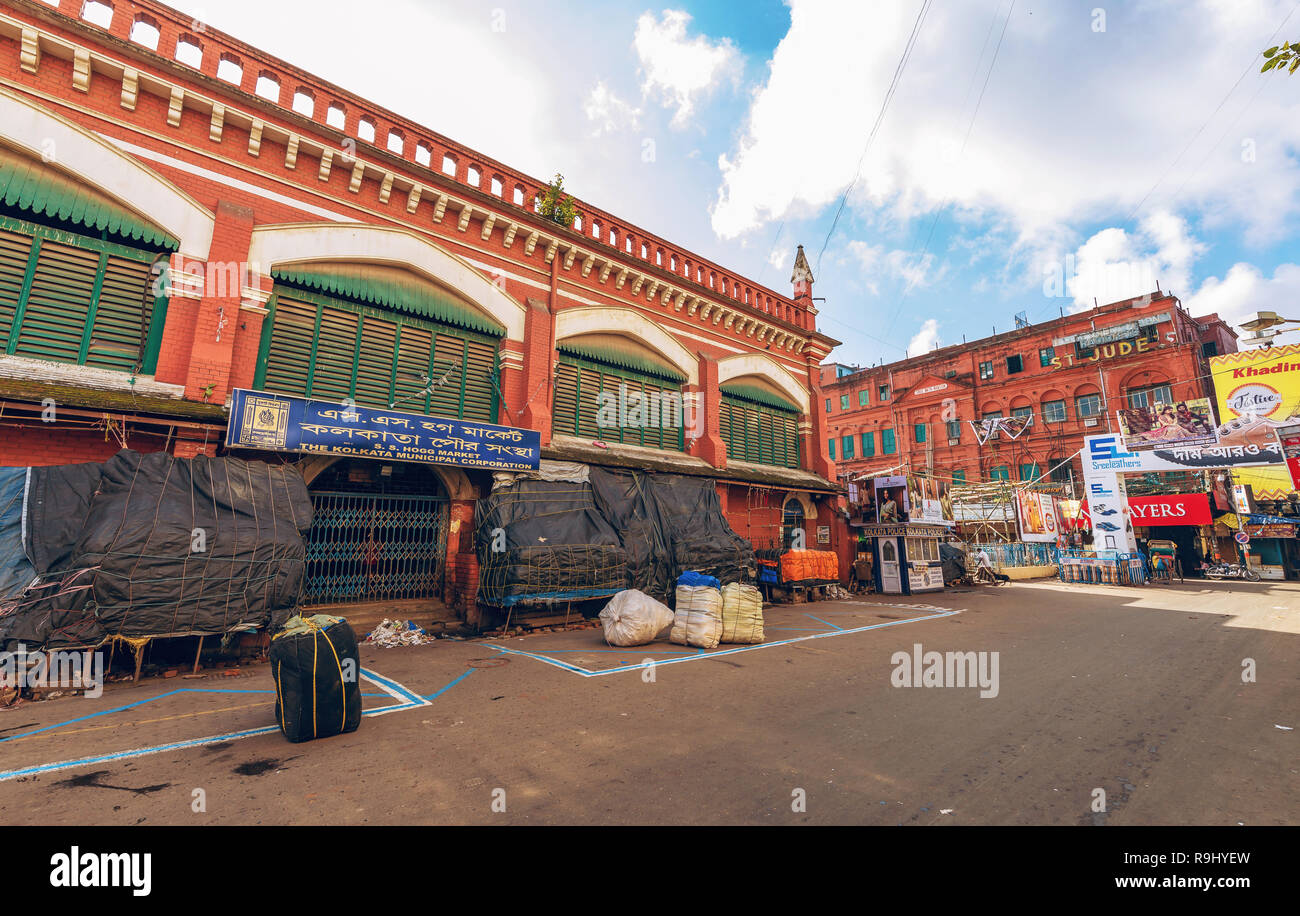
(217, 323)
(539, 358)
(706, 424)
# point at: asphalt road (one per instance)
(1137, 692)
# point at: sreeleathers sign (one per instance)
(279, 423)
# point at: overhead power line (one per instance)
(880, 117)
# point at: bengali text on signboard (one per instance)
(259, 420)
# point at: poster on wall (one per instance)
(891, 500)
(1188, 423)
(1290, 438)
(1258, 394)
(1036, 516)
(929, 500)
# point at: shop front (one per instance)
(1183, 518)
(391, 491)
(1266, 543)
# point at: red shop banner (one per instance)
(1180, 509)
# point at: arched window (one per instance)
(449, 165)
(519, 195)
(423, 155)
(473, 176)
(792, 520)
(303, 102)
(336, 116)
(144, 31)
(396, 142)
(189, 52)
(366, 130)
(96, 13)
(230, 69)
(498, 186)
(268, 87)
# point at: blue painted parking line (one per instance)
(827, 622)
(408, 700)
(822, 634)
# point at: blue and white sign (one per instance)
(260, 420)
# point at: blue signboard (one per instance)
(286, 424)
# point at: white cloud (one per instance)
(1075, 125)
(1115, 264)
(680, 70)
(875, 263)
(608, 112)
(1244, 290)
(925, 339)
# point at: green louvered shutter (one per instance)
(413, 368)
(330, 349)
(63, 288)
(375, 362)
(581, 385)
(760, 433)
(447, 374)
(336, 348)
(480, 389)
(589, 382)
(288, 361)
(564, 413)
(14, 252)
(116, 337)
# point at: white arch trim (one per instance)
(572, 322)
(762, 365)
(307, 242)
(42, 134)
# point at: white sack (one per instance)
(633, 618)
(698, 621)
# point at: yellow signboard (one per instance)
(1259, 388)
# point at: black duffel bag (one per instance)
(317, 672)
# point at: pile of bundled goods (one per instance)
(545, 540)
(317, 672)
(809, 567)
(742, 614)
(600, 532)
(633, 618)
(838, 592)
(393, 633)
(671, 523)
(148, 546)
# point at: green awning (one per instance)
(623, 358)
(41, 191)
(391, 289)
(758, 396)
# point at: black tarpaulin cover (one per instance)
(695, 531)
(317, 678)
(58, 500)
(543, 540)
(625, 529)
(165, 547)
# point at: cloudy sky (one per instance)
(945, 164)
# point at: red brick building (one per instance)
(1070, 374)
(182, 214)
